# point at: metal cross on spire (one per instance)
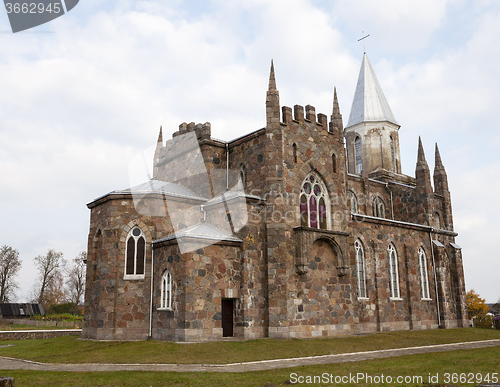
(363, 39)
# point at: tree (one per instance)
(48, 288)
(9, 268)
(476, 305)
(75, 282)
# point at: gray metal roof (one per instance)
(202, 231)
(369, 102)
(162, 187)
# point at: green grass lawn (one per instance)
(70, 349)
(477, 361)
(23, 327)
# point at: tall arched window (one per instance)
(392, 261)
(314, 203)
(360, 269)
(354, 202)
(393, 155)
(334, 163)
(357, 152)
(378, 208)
(166, 291)
(424, 279)
(135, 254)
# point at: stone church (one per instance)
(304, 228)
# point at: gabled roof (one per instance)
(369, 102)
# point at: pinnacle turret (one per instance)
(336, 118)
(421, 154)
(272, 79)
(160, 136)
(440, 176)
(272, 100)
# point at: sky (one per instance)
(85, 93)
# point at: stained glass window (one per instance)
(313, 203)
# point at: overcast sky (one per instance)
(83, 94)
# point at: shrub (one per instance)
(67, 307)
(483, 321)
(496, 322)
(57, 317)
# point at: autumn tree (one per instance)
(75, 282)
(9, 268)
(476, 306)
(48, 289)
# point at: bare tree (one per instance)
(9, 268)
(75, 281)
(49, 274)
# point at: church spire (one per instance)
(423, 188)
(437, 158)
(369, 104)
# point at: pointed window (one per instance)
(166, 291)
(378, 208)
(135, 253)
(424, 279)
(314, 204)
(357, 152)
(354, 202)
(393, 155)
(360, 269)
(294, 146)
(392, 261)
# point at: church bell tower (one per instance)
(371, 134)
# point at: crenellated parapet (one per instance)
(203, 131)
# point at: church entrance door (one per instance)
(227, 317)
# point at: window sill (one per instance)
(363, 299)
(165, 309)
(426, 299)
(133, 277)
(396, 299)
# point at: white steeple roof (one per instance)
(369, 102)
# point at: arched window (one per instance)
(334, 163)
(166, 291)
(393, 155)
(135, 253)
(424, 279)
(354, 202)
(360, 269)
(314, 203)
(378, 208)
(294, 146)
(357, 152)
(392, 261)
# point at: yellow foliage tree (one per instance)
(476, 305)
